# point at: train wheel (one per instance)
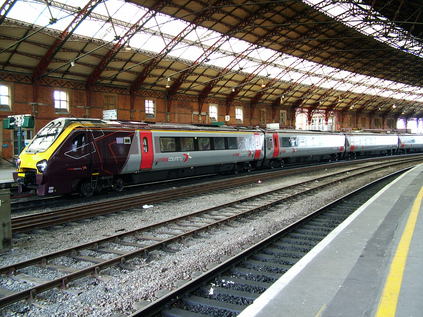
(98, 188)
(118, 184)
(86, 189)
(275, 164)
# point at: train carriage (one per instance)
(285, 145)
(362, 143)
(409, 143)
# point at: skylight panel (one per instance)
(172, 26)
(38, 14)
(158, 30)
(342, 12)
(92, 28)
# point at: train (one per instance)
(86, 156)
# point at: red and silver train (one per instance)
(86, 155)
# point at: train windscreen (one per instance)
(46, 136)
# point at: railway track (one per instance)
(230, 287)
(90, 258)
(46, 219)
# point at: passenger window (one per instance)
(289, 141)
(187, 144)
(204, 144)
(232, 143)
(219, 143)
(242, 143)
(145, 145)
(167, 145)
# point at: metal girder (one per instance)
(58, 43)
(259, 95)
(121, 41)
(215, 46)
(5, 8)
(175, 41)
(235, 91)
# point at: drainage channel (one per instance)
(233, 285)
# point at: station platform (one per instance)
(371, 265)
(6, 170)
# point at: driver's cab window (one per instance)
(78, 141)
(78, 146)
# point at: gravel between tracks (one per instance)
(116, 290)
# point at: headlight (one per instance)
(41, 166)
(18, 163)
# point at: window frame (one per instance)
(150, 108)
(59, 101)
(6, 106)
(239, 114)
(213, 112)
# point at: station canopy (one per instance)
(356, 55)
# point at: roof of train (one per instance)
(150, 125)
(198, 127)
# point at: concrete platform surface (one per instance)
(362, 268)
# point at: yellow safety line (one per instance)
(388, 302)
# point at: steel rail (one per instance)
(94, 269)
(167, 301)
(42, 220)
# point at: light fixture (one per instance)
(394, 106)
(127, 48)
(168, 83)
(263, 84)
(72, 64)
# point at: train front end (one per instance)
(33, 162)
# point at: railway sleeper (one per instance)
(255, 275)
(4, 292)
(222, 297)
(131, 244)
(216, 291)
(312, 232)
(274, 259)
(205, 304)
(87, 258)
(284, 254)
(177, 312)
(60, 268)
(29, 279)
(111, 251)
(301, 236)
(295, 241)
(319, 227)
(289, 247)
(266, 266)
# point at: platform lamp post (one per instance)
(18, 122)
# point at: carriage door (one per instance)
(276, 145)
(146, 143)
